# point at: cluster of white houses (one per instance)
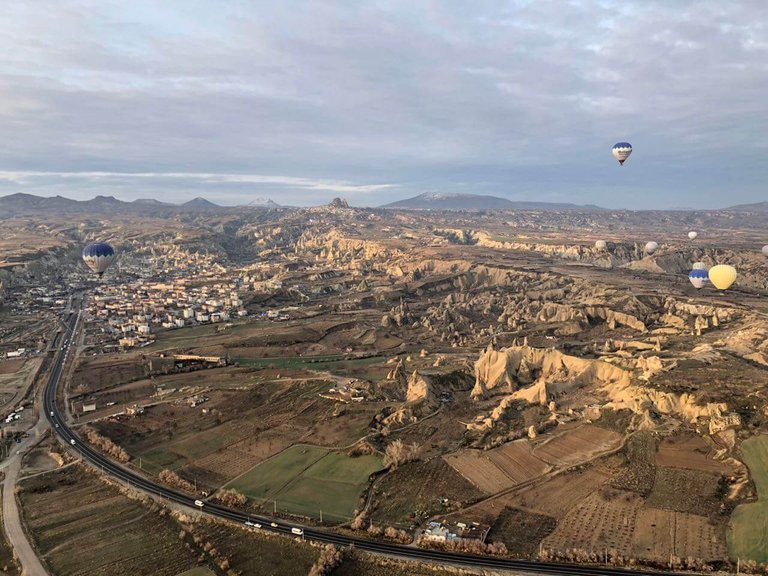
(134, 311)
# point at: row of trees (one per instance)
(105, 445)
(174, 480)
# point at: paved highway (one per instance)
(137, 480)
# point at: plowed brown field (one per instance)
(578, 445)
(517, 461)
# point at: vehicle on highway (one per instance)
(72, 441)
(248, 523)
(199, 503)
(297, 531)
(51, 412)
(256, 525)
(274, 524)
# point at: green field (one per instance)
(296, 362)
(748, 537)
(304, 480)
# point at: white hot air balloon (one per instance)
(621, 151)
(651, 247)
(699, 266)
(601, 244)
(692, 235)
(765, 250)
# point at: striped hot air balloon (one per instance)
(98, 256)
(699, 266)
(651, 247)
(601, 244)
(692, 235)
(621, 151)
(698, 278)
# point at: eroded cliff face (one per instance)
(334, 247)
(668, 259)
(538, 375)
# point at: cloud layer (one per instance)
(302, 101)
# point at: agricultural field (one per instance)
(578, 445)
(661, 533)
(415, 489)
(8, 566)
(72, 509)
(365, 564)
(199, 571)
(688, 451)
(517, 461)
(306, 481)
(555, 497)
(15, 377)
(749, 522)
(521, 531)
(685, 490)
(605, 520)
(637, 471)
(253, 552)
(475, 466)
(241, 427)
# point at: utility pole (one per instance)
(321, 516)
(275, 507)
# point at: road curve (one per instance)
(279, 525)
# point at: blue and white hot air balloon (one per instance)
(698, 278)
(621, 151)
(98, 256)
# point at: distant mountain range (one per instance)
(20, 203)
(756, 207)
(434, 201)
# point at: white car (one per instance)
(199, 503)
(72, 441)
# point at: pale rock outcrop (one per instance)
(419, 389)
(613, 318)
(497, 370)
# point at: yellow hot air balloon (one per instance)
(722, 276)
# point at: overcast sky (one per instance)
(377, 101)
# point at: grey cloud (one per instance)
(522, 99)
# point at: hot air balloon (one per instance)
(98, 256)
(651, 247)
(698, 278)
(621, 151)
(765, 250)
(601, 244)
(699, 266)
(722, 276)
(692, 235)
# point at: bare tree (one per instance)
(397, 453)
